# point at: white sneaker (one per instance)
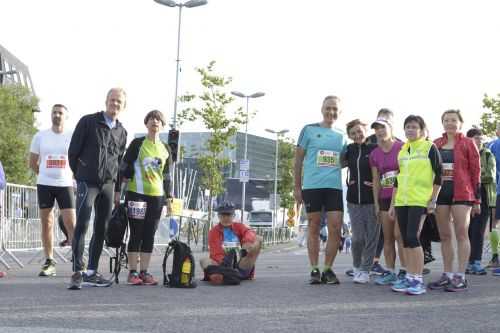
(362, 278)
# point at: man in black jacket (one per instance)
(95, 152)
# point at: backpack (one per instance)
(182, 275)
(115, 237)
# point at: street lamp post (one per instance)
(243, 189)
(188, 4)
(278, 133)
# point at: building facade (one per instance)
(13, 71)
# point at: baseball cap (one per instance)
(226, 207)
(381, 121)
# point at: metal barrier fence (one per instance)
(20, 228)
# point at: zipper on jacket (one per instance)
(359, 176)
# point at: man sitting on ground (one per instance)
(227, 236)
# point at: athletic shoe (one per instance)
(386, 279)
(401, 274)
(416, 287)
(76, 281)
(496, 272)
(377, 269)
(95, 280)
(349, 272)
(493, 262)
(458, 283)
(148, 279)
(134, 279)
(64, 243)
(477, 269)
(315, 276)
(361, 278)
(49, 268)
(428, 258)
(440, 284)
(329, 277)
(401, 285)
(426, 271)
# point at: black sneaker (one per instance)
(349, 272)
(315, 276)
(458, 283)
(329, 277)
(49, 268)
(95, 280)
(493, 262)
(440, 284)
(426, 271)
(76, 281)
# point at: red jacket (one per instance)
(216, 239)
(466, 167)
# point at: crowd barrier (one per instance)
(20, 229)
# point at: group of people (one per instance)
(394, 187)
(94, 162)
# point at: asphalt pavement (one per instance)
(279, 300)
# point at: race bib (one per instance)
(447, 171)
(231, 241)
(137, 210)
(56, 161)
(388, 179)
(327, 158)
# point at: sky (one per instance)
(414, 57)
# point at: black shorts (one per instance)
(384, 204)
(445, 197)
(47, 194)
(497, 210)
(329, 199)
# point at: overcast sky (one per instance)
(415, 57)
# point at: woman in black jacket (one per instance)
(360, 205)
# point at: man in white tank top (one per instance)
(49, 160)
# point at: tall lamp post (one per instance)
(188, 4)
(278, 133)
(244, 181)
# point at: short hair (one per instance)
(384, 112)
(453, 111)
(353, 123)
(156, 115)
(330, 97)
(120, 90)
(473, 132)
(419, 120)
(62, 106)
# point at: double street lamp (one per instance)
(244, 181)
(188, 4)
(278, 133)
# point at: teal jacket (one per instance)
(488, 175)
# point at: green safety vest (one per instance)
(416, 177)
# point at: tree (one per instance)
(286, 181)
(491, 117)
(222, 125)
(16, 131)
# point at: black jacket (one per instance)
(358, 163)
(95, 151)
(127, 165)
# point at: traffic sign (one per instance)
(244, 165)
(244, 176)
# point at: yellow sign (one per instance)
(176, 206)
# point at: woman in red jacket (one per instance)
(459, 196)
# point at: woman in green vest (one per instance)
(415, 191)
(145, 168)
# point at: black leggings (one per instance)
(142, 230)
(477, 227)
(380, 244)
(409, 218)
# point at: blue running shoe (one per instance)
(496, 272)
(416, 288)
(386, 279)
(377, 269)
(477, 269)
(401, 286)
